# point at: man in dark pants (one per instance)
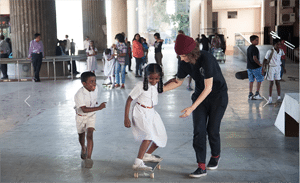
(210, 100)
(4, 50)
(36, 53)
(73, 45)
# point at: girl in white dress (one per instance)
(109, 65)
(147, 126)
(91, 61)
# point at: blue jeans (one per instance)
(118, 68)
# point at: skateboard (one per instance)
(107, 86)
(147, 173)
(241, 75)
(293, 78)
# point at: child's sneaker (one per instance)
(257, 96)
(140, 165)
(152, 158)
(250, 96)
(270, 100)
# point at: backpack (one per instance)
(266, 64)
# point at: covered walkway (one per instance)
(39, 142)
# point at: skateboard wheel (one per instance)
(152, 175)
(136, 175)
(158, 167)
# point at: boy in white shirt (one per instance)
(85, 107)
(273, 73)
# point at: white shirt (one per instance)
(86, 44)
(85, 98)
(68, 46)
(276, 58)
(148, 98)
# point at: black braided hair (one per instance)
(145, 87)
(153, 68)
(160, 86)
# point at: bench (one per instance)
(287, 120)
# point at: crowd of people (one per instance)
(271, 69)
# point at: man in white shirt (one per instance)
(68, 45)
(273, 73)
(86, 42)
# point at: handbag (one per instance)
(266, 64)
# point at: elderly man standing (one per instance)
(4, 50)
(36, 53)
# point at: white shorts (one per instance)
(273, 73)
(85, 122)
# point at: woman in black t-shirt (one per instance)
(157, 49)
(210, 99)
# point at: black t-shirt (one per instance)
(206, 67)
(157, 46)
(205, 43)
(252, 51)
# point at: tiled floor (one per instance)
(39, 143)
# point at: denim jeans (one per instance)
(138, 66)
(120, 67)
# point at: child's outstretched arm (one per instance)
(92, 109)
(127, 122)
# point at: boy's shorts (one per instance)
(85, 122)
(274, 73)
(255, 74)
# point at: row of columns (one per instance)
(31, 16)
(35, 16)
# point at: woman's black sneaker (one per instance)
(198, 173)
(213, 163)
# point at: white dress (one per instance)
(91, 60)
(109, 65)
(146, 123)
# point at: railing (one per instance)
(289, 47)
(241, 42)
(48, 60)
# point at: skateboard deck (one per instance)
(241, 75)
(293, 78)
(107, 86)
(147, 173)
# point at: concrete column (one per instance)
(142, 15)
(195, 18)
(118, 17)
(132, 18)
(28, 17)
(206, 14)
(94, 22)
(262, 22)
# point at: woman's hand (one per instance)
(127, 123)
(187, 111)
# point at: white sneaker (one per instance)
(141, 166)
(152, 158)
(257, 96)
(270, 100)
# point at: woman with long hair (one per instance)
(138, 54)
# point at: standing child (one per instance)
(91, 53)
(85, 107)
(274, 68)
(147, 126)
(109, 65)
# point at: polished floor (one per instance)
(39, 143)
